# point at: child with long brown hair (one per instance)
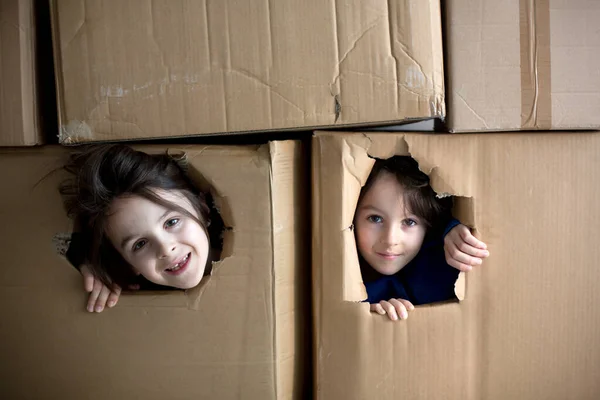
(136, 216)
(410, 248)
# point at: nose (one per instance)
(165, 248)
(392, 235)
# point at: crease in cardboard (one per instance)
(413, 74)
(270, 87)
(351, 49)
(155, 40)
(479, 117)
(78, 31)
(396, 63)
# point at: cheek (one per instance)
(365, 235)
(195, 236)
(417, 239)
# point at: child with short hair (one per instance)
(410, 248)
(136, 215)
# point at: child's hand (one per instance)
(100, 295)
(463, 250)
(393, 308)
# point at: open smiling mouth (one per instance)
(180, 266)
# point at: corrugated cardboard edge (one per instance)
(316, 244)
(64, 137)
(31, 134)
(536, 83)
(438, 102)
(288, 212)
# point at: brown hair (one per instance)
(419, 197)
(102, 173)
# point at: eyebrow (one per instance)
(130, 237)
(373, 208)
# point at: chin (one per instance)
(190, 283)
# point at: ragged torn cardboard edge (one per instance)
(62, 240)
(358, 157)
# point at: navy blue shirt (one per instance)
(426, 279)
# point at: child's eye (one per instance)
(410, 222)
(139, 244)
(376, 219)
(172, 222)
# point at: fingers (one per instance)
(456, 264)
(468, 237)
(463, 251)
(97, 288)
(101, 296)
(88, 278)
(394, 308)
(400, 308)
(377, 308)
(102, 299)
(458, 256)
(113, 297)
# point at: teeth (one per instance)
(178, 265)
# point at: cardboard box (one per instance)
(242, 334)
(527, 327)
(19, 124)
(522, 64)
(138, 70)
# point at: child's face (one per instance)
(164, 246)
(388, 236)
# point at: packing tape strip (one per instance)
(536, 85)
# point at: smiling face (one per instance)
(388, 235)
(165, 246)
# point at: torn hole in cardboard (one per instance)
(220, 232)
(354, 289)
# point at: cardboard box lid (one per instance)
(19, 125)
(528, 325)
(238, 332)
(528, 64)
(133, 70)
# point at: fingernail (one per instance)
(394, 317)
(90, 309)
(111, 303)
(478, 261)
(99, 308)
(486, 253)
(404, 315)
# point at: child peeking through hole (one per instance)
(139, 222)
(410, 248)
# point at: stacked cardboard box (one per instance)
(19, 120)
(175, 68)
(522, 64)
(527, 323)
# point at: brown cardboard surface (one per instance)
(241, 336)
(142, 69)
(527, 327)
(19, 125)
(522, 64)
